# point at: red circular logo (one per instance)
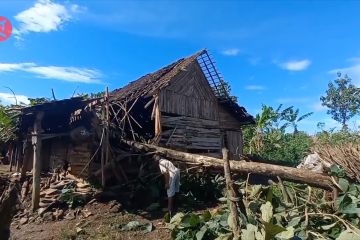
(5, 28)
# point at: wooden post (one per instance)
(12, 156)
(107, 140)
(36, 142)
(105, 144)
(156, 115)
(15, 161)
(19, 157)
(27, 155)
(231, 196)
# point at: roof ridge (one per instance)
(159, 79)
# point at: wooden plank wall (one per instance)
(188, 106)
(189, 94)
(59, 152)
(193, 120)
(227, 121)
(79, 155)
(235, 143)
(190, 133)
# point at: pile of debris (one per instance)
(347, 156)
(61, 197)
(315, 163)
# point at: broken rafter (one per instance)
(127, 116)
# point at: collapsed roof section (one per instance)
(151, 83)
(57, 117)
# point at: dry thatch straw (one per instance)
(345, 155)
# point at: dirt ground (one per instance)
(101, 224)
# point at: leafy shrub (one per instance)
(307, 214)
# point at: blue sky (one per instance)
(271, 52)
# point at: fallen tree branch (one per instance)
(270, 170)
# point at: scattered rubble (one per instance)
(60, 197)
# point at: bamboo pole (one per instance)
(36, 141)
(270, 170)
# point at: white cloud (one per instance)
(296, 65)
(8, 98)
(69, 74)
(255, 87)
(231, 52)
(353, 71)
(10, 67)
(44, 16)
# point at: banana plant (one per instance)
(264, 122)
(292, 116)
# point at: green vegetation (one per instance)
(270, 140)
(36, 101)
(292, 148)
(334, 138)
(305, 213)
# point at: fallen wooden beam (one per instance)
(270, 170)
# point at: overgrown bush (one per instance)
(271, 139)
(281, 147)
(306, 213)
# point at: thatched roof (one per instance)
(151, 83)
(148, 84)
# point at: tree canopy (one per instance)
(343, 99)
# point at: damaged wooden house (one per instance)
(183, 106)
(62, 136)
